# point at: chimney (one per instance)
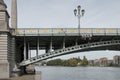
(14, 14)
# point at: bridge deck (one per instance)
(69, 34)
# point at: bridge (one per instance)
(16, 43)
(62, 41)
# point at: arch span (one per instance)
(111, 45)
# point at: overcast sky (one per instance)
(59, 14)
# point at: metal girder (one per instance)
(72, 49)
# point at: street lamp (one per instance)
(79, 13)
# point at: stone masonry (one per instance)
(7, 54)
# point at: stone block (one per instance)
(3, 52)
(3, 43)
(4, 71)
(3, 48)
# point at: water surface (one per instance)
(79, 73)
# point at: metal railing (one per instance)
(66, 31)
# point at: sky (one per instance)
(59, 14)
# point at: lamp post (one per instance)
(79, 13)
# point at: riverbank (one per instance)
(24, 77)
(36, 76)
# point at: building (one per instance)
(91, 62)
(116, 60)
(96, 62)
(103, 61)
(110, 62)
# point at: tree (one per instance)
(84, 61)
(73, 62)
(70, 62)
(56, 62)
(65, 63)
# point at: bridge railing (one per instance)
(66, 31)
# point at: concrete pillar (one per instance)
(51, 45)
(37, 47)
(76, 42)
(25, 56)
(14, 14)
(64, 43)
(29, 53)
(47, 49)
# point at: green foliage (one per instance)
(56, 62)
(65, 63)
(70, 62)
(84, 62)
(73, 62)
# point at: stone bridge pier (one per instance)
(7, 44)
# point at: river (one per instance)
(79, 73)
